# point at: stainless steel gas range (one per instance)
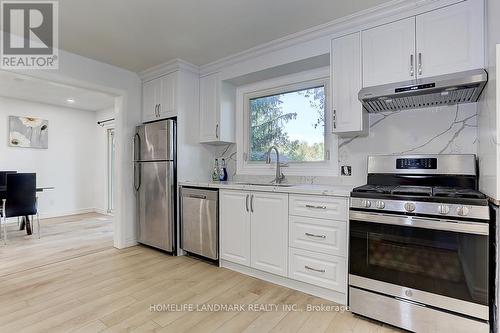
(418, 244)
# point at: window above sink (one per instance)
(292, 113)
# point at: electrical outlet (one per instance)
(346, 170)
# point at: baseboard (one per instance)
(64, 213)
(307, 288)
(102, 211)
(127, 243)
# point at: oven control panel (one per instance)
(416, 163)
(421, 207)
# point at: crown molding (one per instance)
(370, 17)
(167, 68)
(381, 14)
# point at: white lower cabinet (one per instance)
(294, 237)
(318, 241)
(319, 269)
(319, 235)
(254, 229)
(269, 232)
(318, 206)
(234, 227)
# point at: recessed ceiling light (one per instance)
(70, 100)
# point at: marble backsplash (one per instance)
(440, 130)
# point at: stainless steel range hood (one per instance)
(456, 88)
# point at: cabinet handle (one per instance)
(412, 68)
(159, 106)
(217, 131)
(420, 63)
(313, 235)
(334, 119)
(315, 207)
(246, 202)
(251, 203)
(196, 196)
(314, 269)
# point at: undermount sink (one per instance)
(266, 184)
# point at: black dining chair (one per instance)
(3, 184)
(3, 177)
(20, 199)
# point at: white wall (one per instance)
(488, 123)
(193, 158)
(440, 130)
(69, 162)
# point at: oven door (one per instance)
(435, 262)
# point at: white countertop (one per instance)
(330, 190)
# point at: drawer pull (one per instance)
(313, 235)
(314, 269)
(315, 207)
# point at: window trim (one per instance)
(289, 83)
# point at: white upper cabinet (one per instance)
(217, 110)
(167, 97)
(442, 41)
(346, 81)
(450, 39)
(158, 98)
(269, 232)
(209, 100)
(389, 53)
(150, 100)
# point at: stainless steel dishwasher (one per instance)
(200, 222)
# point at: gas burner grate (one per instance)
(382, 189)
(424, 191)
(454, 192)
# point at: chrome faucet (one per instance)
(279, 175)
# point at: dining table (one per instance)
(25, 220)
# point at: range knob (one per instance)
(366, 203)
(380, 204)
(443, 209)
(463, 211)
(409, 207)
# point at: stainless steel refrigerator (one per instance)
(154, 182)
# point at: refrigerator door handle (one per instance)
(137, 137)
(137, 185)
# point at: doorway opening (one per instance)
(75, 169)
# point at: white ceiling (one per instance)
(138, 34)
(35, 90)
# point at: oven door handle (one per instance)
(476, 228)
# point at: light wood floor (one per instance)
(73, 280)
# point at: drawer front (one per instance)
(317, 206)
(318, 269)
(326, 236)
